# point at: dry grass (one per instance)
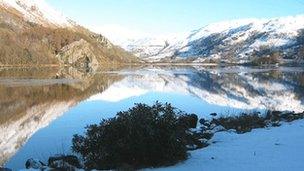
(24, 43)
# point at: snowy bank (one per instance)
(276, 148)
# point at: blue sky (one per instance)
(167, 16)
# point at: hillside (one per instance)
(32, 33)
(257, 41)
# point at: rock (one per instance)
(218, 128)
(5, 169)
(64, 162)
(202, 121)
(213, 125)
(276, 124)
(207, 125)
(213, 114)
(34, 164)
(191, 147)
(79, 54)
(102, 40)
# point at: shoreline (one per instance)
(158, 64)
(217, 137)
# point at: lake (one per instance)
(41, 109)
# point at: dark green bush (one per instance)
(243, 123)
(143, 136)
(188, 121)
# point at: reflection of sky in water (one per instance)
(56, 138)
(194, 91)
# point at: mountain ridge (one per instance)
(238, 39)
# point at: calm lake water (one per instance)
(41, 109)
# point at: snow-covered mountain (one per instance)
(145, 47)
(38, 11)
(230, 41)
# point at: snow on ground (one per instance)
(277, 149)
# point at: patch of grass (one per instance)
(277, 116)
(242, 123)
(246, 122)
(25, 43)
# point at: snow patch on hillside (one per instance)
(38, 11)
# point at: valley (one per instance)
(227, 95)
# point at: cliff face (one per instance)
(32, 34)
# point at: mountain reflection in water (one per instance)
(36, 98)
(33, 99)
(244, 88)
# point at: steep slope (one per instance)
(32, 33)
(38, 12)
(238, 41)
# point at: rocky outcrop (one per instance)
(102, 40)
(79, 54)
